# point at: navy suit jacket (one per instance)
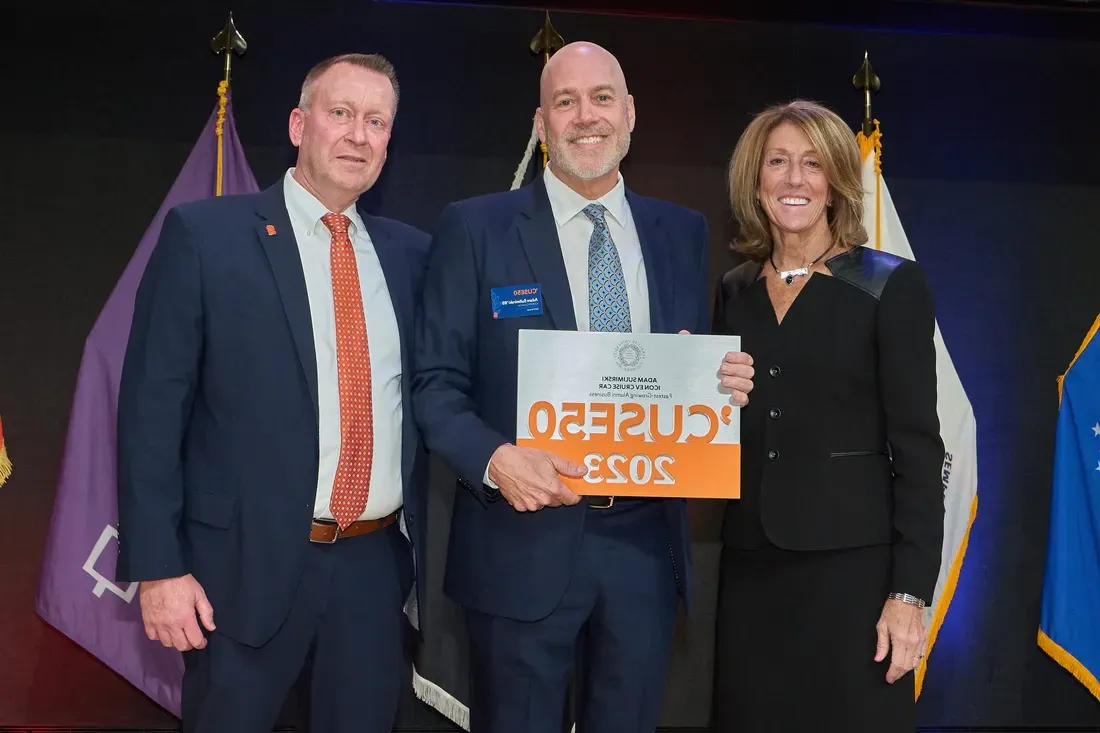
(217, 413)
(500, 561)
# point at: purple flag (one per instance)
(76, 593)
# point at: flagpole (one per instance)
(546, 42)
(228, 41)
(870, 137)
(866, 81)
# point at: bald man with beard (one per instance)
(549, 578)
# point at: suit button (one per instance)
(775, 413)
(773, 455)
(775, 371)
(410, 519)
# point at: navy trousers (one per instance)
(615, 623)
(343, 643)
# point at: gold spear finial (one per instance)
(547, 41)
(228, 41)
(866, 81)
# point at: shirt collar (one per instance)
(567, 203)
(305, 208)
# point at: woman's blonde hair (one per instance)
(840, 159)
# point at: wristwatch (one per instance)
(906, 598)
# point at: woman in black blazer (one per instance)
(833, 549)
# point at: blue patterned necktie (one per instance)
(608, 304)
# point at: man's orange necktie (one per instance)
(349, 490)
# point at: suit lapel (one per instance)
(539, 236)
(655, 246)
(277, 238)
(395, 271)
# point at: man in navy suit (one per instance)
(545, 576)
(267, 462)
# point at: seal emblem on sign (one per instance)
(629, 355)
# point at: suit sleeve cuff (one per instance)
(488, 481)
(915, 581)
(144, 558)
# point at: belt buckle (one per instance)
(335, 536)
(610, 503)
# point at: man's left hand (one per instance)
(901, 632)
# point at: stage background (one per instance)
(992, 159)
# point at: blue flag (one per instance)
(77, 594)
(1068, 630)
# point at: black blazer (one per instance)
(841, 439)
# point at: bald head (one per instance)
(579, 59)
(585, 117)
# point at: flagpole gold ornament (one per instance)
(228, 41)
(867, 81)
(546, 42)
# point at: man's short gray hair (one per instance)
(370, 61)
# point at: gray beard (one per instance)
(556, 152)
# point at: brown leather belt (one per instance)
(327, 531)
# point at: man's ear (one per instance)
(296, 125)
(540, 125)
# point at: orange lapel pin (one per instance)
(271, 230)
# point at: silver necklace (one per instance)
(788, 276)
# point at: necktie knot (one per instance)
(337, 223)
(595, 212)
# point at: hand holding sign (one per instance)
(529, 479)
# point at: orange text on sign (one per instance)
(630, 422)
(631, 449)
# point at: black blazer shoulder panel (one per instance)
(865, 268)
(740, 277)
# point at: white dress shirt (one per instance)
(383, 340)
(574, 231)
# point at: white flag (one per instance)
(957, 426)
